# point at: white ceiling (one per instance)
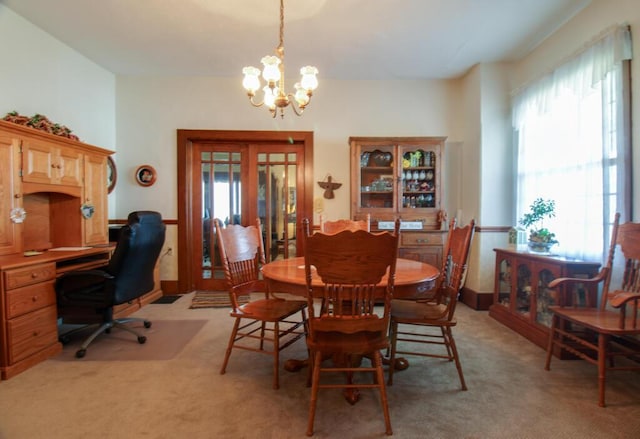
(345, 39)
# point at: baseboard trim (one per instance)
(476, 300)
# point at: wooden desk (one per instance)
(28, 317)
(413, 278)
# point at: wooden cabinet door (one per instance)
(544, 297)
(69, 167)
(37, 162)
(10, 232)
(48, 164)
(95, 193)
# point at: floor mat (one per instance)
(214, 299)
(165, 340)
(166, 299)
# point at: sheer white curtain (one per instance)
(572, 145)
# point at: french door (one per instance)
(238, 181)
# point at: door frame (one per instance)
(185, 140)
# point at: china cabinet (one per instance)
(400, 177)
(521, 297)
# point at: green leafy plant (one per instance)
(534, 221)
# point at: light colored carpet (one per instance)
(510, 394)
(214, 299)
(165, 339)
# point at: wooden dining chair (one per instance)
(269, 319)
(431, 318)
(346, 325)
(606, 333)
(345, 224)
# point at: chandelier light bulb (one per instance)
(271, 71)
(309, 81)
(251, 81)
(301, 96)
(270, 95)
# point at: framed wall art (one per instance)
(145, 175)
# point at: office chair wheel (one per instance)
(63, 339)
(81, 353)
(142, 339)
(147, 324)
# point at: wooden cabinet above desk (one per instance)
(52, 178)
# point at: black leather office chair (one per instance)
(88, 296)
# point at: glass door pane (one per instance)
(277, 203)
(376, 177)
(222, 199)
(419, 172)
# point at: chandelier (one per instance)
(275, 96)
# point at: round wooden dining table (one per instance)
(413, 278)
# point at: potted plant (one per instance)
(540, 238)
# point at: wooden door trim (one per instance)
(185, 172)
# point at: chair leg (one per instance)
(103, 328)
(276, 355)
(377, 358)
(316, 358)
(450, 341)
(232, 338)
(444, 337)
(262, 331)
(393, 329)
(603, 341)
(552, 335)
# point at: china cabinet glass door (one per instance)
(545, 297)
(523, 290)
(503, 283)
(419, 178)
(376, 178)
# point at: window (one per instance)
(574, 146)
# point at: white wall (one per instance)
(39, 74)
(150, 110)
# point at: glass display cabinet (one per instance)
(400, 177)
(397, 176)
(521, 294)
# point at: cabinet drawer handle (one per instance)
(422, 241)
(34, 299)
(36, 333)
(34, 275)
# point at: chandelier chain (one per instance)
(281, 46)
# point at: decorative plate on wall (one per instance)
(112, 174)
(145, 175)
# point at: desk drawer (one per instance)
(26, 299)
(421, 238)
(30, 275)
(32, 333)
